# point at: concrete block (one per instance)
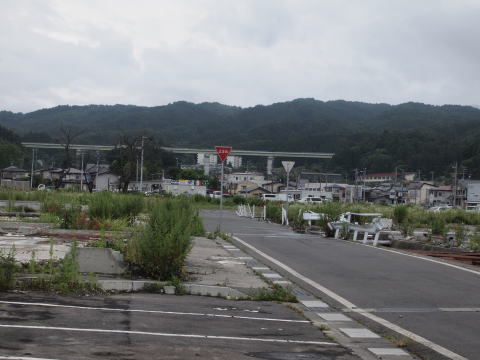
(100, 260)
(116, 285)
(223, 291)
(169, 290)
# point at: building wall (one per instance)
(106, 182)
(184, 189)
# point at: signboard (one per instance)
(288, 165)
(223, 152)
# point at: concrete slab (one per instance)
(314, 303)
(25, 245)
(359, 333)
(333, 317)
(210, 264)
(101, 261)
(388, 351)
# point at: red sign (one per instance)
(223, 152)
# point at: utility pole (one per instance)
(455, 167)
(141, 167)
(82, 175)
(356, 185)
(33, 162)
(433, 179)
(98, 165)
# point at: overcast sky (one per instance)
(238, 52)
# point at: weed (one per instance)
(400, 342)
(276, 293)
(474, 242)
(160, 248)
(400, 214)
(8, 268)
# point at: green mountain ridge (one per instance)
(373, 136)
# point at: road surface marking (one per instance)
(22, 358)
(334, 317)
(387, 351)
(359, 333)
(314, 303)
(151, 311)
(419, 339)
(411, 310)
(198, 336)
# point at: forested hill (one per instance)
(375, 136)
(10, 150)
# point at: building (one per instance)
(467, 194)
(106, 181)
(387, 177)
(304, 179)
(234, 161)
(16, 178)
(14, 173)
(419, 192)
(440, 195)
(254, 191)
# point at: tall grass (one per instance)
(160, 248)
(8, 268)
(105, 205)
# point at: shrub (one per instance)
(400, 214)
(8, 267)
(438, 226)
(475, 242)
(160, 248)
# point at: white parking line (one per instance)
(152, 311)
(21, 358)
(438, 348)
(198, 336)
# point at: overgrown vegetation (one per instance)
(159, 249)
(275, 293)
(8, 268)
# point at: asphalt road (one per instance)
(149, 326)
(437, 302)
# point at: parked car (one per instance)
(440, 208)
(311, 200)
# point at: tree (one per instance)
(123, 160)
(66, 135)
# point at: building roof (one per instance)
(385, 174)
(253, 188)
(443, 188)
(14, 169)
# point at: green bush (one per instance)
(160, 248)
(400, 214)
(438, 226)
(475, 242)
(8, 268)
(274, 212)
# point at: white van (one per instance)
(311, 200)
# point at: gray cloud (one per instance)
(237, 52)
